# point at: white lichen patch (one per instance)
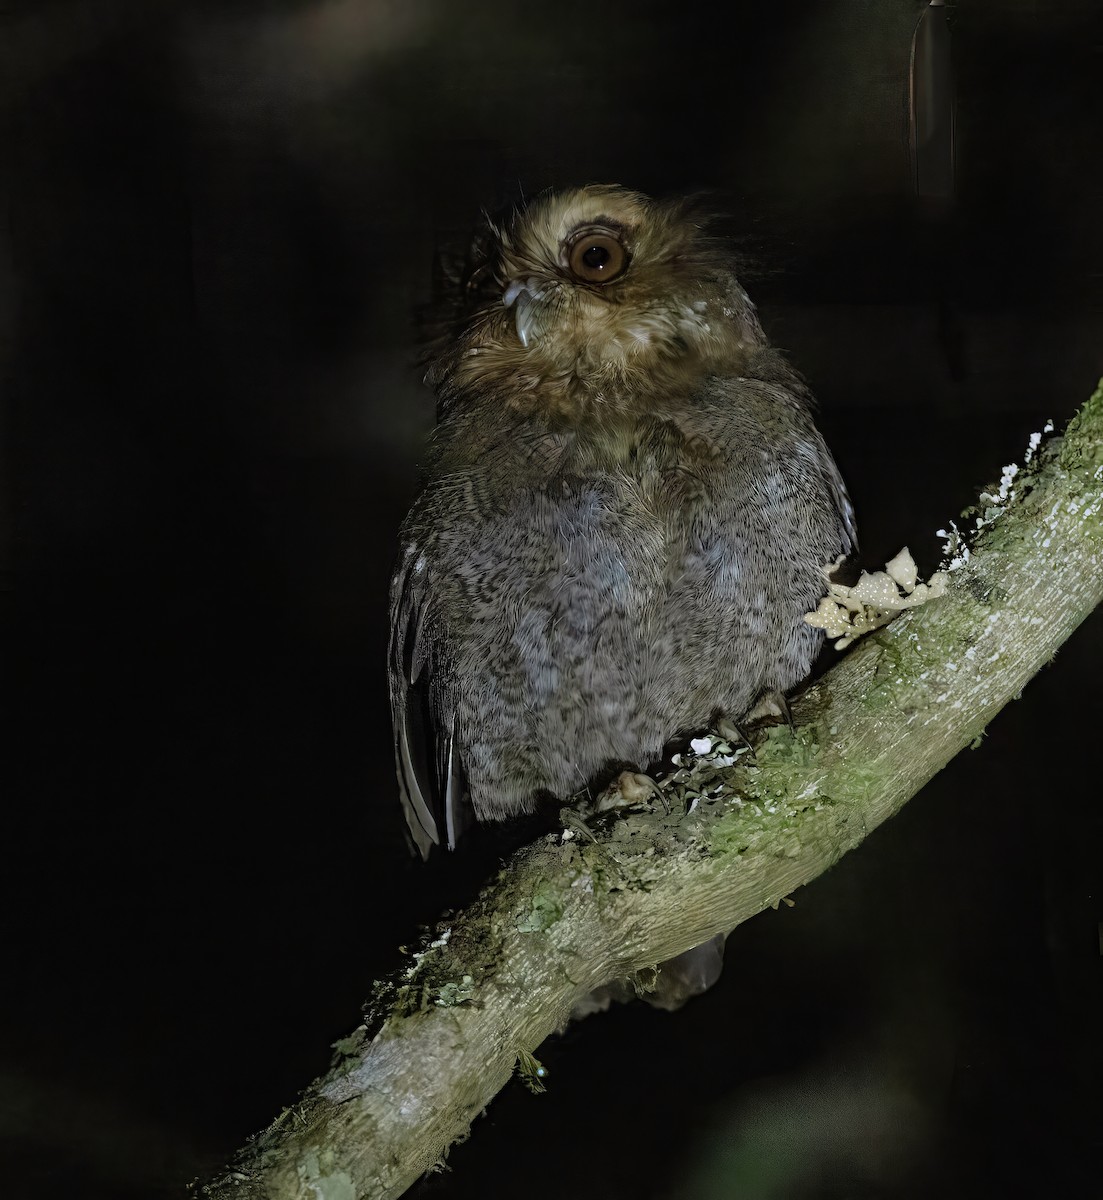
(456, 992)
(992, 505)
(955, 553)
(846, 613)
(699, 773)
(419, 956)
(1007, 479)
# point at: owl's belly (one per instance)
(555, 657)
(596, 640)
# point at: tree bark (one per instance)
(571, 913)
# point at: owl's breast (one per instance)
(582, 551)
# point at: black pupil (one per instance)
(596, 257)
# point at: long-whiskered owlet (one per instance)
(626, 513)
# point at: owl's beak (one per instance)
(524, 297)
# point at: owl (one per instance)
(626, 512)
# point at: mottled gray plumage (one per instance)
(626, 513)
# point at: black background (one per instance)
(219, 221)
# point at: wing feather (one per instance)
(843, 504)
(431, 781)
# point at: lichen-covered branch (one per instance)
(576, 911)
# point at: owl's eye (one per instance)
(596, 256)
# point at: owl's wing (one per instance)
(430, 774)
(843, 504)
(772, 410)
(787, 392)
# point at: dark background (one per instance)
(219, 220)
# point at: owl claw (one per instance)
(731, 732)
(771, 706)
(631, 789)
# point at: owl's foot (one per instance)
(668, 987)
(731, 732)
(771, 708)
(631, 789)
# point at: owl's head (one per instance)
(599, 292)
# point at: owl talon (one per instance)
(731, 732)
(771, 708)
(631, 789)
(786, 711)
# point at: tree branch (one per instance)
(569, 914)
